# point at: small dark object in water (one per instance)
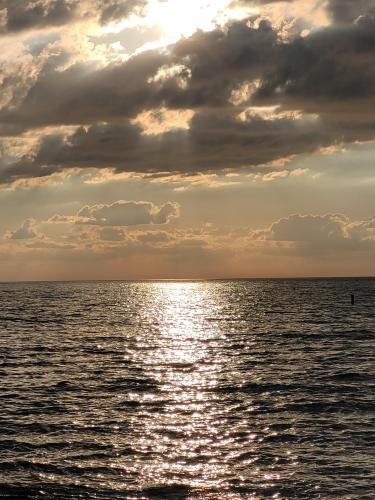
(353, 299)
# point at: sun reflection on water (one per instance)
(186, 366)
(187, 435)
(191, 424)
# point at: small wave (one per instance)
(172, 491)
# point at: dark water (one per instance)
(223, 390)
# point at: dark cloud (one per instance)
(325, 81)
(81, 94)
(221, 60)
(198, 72)
(22, 15)
(347, 11)
(340, 11)
(215, 140)
(25, 14)
(201, 71)
(329, 72)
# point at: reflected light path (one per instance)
(194, 431)
(185, 362)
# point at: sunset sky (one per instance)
(147, 139)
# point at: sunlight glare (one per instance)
(179, 18)
(176, 19)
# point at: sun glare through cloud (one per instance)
(179, 18)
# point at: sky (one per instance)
(175, 139)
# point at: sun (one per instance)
(181, 18)
(176, 19)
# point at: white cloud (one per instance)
(318, 234)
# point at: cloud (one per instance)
(328, 73)
(160, 237)
(122, 213)
(319, 88)
(83, 94)
(330, 244)
(26, 231)
(318, 235)
(112, 234)
(26, 14)
(214, 141)
(20, 15)
(198, 72)
(340, 11)
(114, 10)
(347, 11)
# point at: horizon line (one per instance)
(150, 280)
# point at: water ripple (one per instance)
(220, 390)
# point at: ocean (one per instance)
(238, 389)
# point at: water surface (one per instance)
(222, 389)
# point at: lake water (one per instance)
(253, 389)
